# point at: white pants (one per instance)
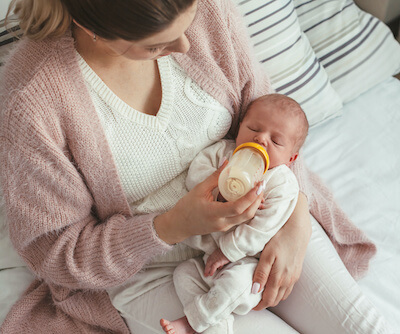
(326, 300)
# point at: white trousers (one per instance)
(326, 300)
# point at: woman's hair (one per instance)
(109, 19)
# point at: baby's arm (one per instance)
(207, 162)
(281, 195)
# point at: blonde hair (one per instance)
(39, 19)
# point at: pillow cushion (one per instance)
(7, 37)
(288, 58)
(9, 258)
(356, 49)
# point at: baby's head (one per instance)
(277, 123)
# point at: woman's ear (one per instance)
(89, 32)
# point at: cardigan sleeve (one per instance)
(53, 220)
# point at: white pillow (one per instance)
(288, 58)
(9, 258)
(356, 49)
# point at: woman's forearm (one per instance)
(300, 219)
(168, 230)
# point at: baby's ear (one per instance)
(293, 158)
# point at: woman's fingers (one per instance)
(278, 286)
(272, 294)
(260, 279)
(211, 182)
(198, 213)
(279, 296)
(288, 292)
(244, 208)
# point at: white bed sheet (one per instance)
(357, 155)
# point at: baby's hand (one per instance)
(215, 261)
(262, 206)
(221, 198)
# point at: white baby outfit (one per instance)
(210, 301)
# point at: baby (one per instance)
(277, 123)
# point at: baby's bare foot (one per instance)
(178, 326)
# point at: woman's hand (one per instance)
(282, 259)
(197, 213)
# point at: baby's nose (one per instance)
(259, 139)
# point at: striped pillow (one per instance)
(7, 37)
(288, 58)
(356, 49)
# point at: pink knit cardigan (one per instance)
(68, 216)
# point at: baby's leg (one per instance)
(326, 299)
(208, 301)
(143, 307)
(178, 326)
(182, 326)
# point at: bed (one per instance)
(339, 63)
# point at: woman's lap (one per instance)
(326, 299)
(143, 315)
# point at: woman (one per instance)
(97, 117)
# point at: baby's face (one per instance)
(264, 124)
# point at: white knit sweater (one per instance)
(171, 140)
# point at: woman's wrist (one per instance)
(167, 229)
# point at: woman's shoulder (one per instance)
(218, 7)
(33, 83)
(31, 61)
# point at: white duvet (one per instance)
(358, 156)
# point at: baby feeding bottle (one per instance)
(247, 166)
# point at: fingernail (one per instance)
(261, 188)
(255, 288)
(222, 162)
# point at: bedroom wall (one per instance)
(3, 8)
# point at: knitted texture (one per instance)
(188, 120)
(68, 215)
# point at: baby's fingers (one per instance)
(210, 269)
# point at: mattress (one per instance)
(357, 155)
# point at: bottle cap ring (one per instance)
(257, 147)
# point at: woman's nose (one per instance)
(181, 45)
